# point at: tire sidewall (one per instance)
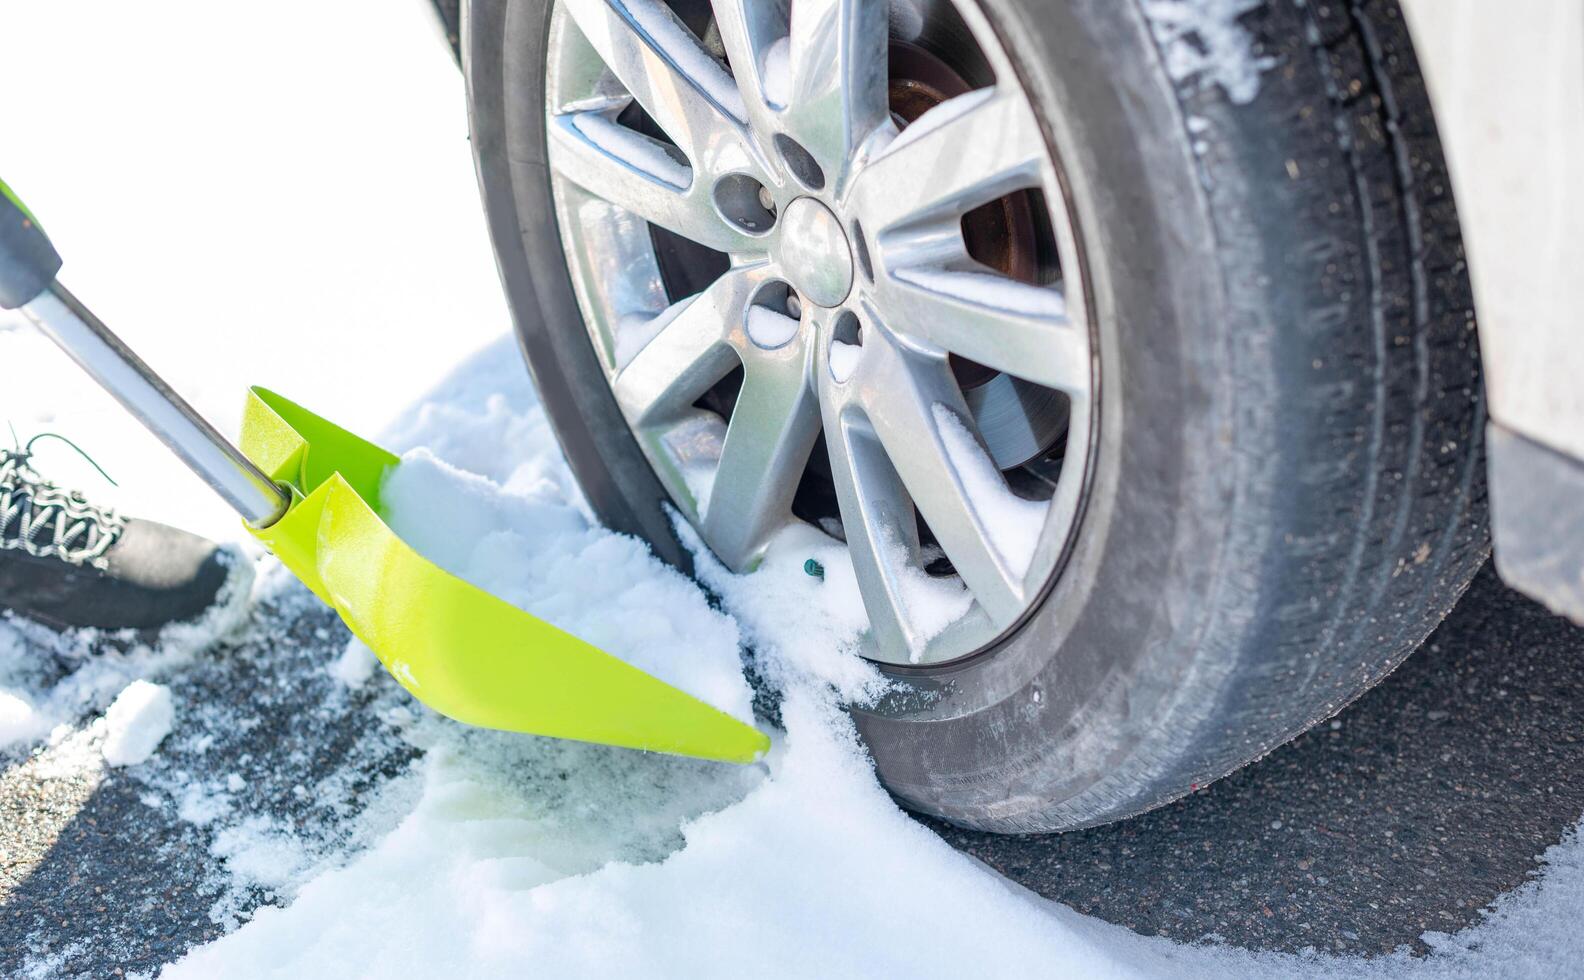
(1109, 666)
(503, 56)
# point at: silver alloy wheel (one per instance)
(848, 296)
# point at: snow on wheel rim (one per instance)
(829, 270)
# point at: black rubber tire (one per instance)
(1287, 489)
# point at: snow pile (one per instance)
(19, 722)
(531, 546)
(482, 876)
(827, 609)
(791, 880)
(1530, 932)
(776, 80)
(635, 330)
(138, 720)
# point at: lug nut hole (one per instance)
(846, 344)
(774, 316)
(746, 203)
(799, 162)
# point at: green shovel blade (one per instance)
(453, 646)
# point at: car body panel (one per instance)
(1507, 83)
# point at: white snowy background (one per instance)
(283, 194)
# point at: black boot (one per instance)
(66, 563)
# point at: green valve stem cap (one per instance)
(28, 262)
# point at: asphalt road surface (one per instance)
(1419, 805)
(1410, 811)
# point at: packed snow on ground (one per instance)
(138, 720)
(422, 847)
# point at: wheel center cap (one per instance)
(813, 252)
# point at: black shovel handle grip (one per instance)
(28, 262)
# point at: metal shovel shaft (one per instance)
(28, 265)
(468, 654)
(163, 412)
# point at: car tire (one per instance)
(1286, 488)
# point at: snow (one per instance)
(200, 805)
(355, 665)
(1202, 42)
(699, 475)
(631, 148)
(930, 604)
(137, 722)
(19, 722)
(491, 854)
(829, 613)
(770, 329)
(635, 330)
(529, 545)
(777, 80)
(843, 359)
(260, 854)
(48, 679)
(752, 888)
(680, 47)
(1012, 523)
(988, 289)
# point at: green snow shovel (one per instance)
(310, 491)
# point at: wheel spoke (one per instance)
(689, 354)
(919, 415)
(990, 319)
(768, 440)
(682, 87)
(800, 107)
(835, 78)
(747, 29)
(963, 153)
(634, 172)
(877, 515)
